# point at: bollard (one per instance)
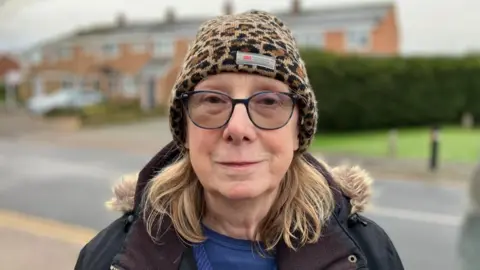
(434, 145)
(392, 143)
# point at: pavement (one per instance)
(21, 251)
(30, 242)
(52, 193)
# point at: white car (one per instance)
(66, 98)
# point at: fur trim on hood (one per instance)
(123, 194)
(354, 182)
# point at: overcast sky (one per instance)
(430, 26)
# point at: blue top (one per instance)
(221, 252)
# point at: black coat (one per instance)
(349, 241)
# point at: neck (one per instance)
(238, 219)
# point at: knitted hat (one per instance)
(254, 42)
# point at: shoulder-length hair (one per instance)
(302, 207)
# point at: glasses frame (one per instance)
(245, 101)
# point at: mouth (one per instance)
(239, 164)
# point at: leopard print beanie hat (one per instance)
(254, 42)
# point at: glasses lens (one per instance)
(271, 110)
(209, 109)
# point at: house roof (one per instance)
(363, 12)
(158, 26)
(7, 63)
(369, 13)
(346, 10)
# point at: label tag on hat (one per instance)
(255, 59)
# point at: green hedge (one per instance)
(356, 93)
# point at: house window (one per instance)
(310, 39)
(67, 83)
(110, 50)
(65, 53)
(139, 48)
(163, 48)
(358, 39)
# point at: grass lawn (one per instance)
(456, 144)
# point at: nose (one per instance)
(239, 128)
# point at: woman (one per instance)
(236, 188)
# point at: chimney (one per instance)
(170, 15)
(296, 7)
(228, 7)
(121, 20)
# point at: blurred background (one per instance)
(84, 89)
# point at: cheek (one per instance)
(282, 140)
(200, 142)
(281, 144)
(282, 147)
(286, 138)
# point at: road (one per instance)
(70, 185)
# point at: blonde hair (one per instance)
(298, 214)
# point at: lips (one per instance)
(239, 164)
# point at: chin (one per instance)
(241, 192)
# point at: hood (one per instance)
(354, 183)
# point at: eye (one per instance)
(270, 99)
(213, 98)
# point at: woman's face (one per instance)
(240, 160)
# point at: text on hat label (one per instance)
(255, 59)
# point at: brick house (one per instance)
(141, 60)
(7, 64)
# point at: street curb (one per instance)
(42, 227)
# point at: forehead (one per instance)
(234, 81)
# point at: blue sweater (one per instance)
(221, 252)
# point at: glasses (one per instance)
(267, 110)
